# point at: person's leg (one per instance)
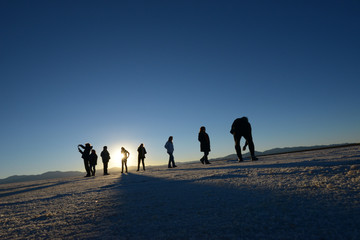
(126, 165)
(139, 159)
(173, 161)
(143, 163)
(202, 159)
(105, 167)
(122, 166)
(237, 138)
(251, 146)
(206, 158)
(87, 168)
(169, 164)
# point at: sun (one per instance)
(117, 156)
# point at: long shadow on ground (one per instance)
(147, 207)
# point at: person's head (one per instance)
(142, 145)
(245, 119)
(87, 145)
(93, 151)
(105, 147)
(170, 138)
(122, 148)
(202, 129)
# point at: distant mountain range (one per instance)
(59, 174)
(47, 175)
(290, 150)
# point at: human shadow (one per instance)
(33, 187)
(147, 207)
(259, 165)
(5, 187)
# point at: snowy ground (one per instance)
(309, 195)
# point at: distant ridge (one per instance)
(304, 149)
(285, 150)
(47, 175)
(59, 174)
(50, 175)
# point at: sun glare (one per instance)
(117, 156)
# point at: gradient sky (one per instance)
(121, 73)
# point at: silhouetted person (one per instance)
(85, 154)
(105, 155)
(242, 128)
(204, 145)
(93, 162)
(170, 150)
(126, 154)
(141, 157)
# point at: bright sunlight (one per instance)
(117, 156)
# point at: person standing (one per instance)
(93, 162)
(204, 145)
(170, 150)
(242, 128)
(126, 155)
(141, 157)
(105, 155)
(85, 154)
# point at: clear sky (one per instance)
(121, 73)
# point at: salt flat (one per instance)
(307, 195)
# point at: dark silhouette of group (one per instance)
(240, 128)
(90, 159)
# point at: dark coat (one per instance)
(105, 155)
(93, 159)
(204, 142)
(86, 153)
(241, 126)
(142, 152)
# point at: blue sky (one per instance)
(121, 73)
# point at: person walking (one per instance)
(141, 157)
(204, 145)
(126, 155)
(170, 150)
(85, 154)
(105, 155)
(93, 162)
(242, 128)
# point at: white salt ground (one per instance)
(308, 195)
